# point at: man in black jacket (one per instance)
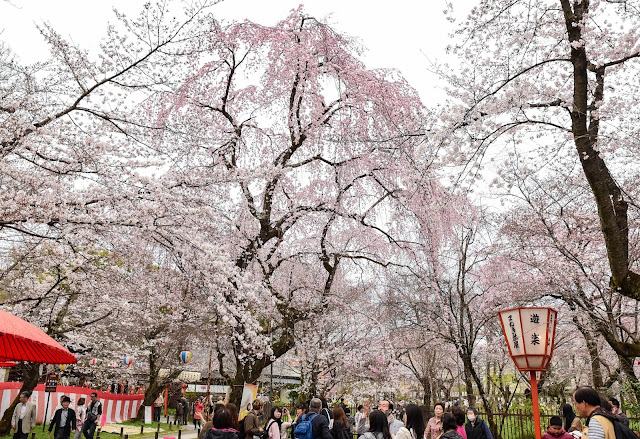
(64, 419)
(319, 424)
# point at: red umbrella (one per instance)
(20, 340)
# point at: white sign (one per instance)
(202, 388)
(147, 414)
(185, 375)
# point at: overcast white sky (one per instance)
(402, 34)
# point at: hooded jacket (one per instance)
(562, 435)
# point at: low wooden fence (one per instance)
(519, 425)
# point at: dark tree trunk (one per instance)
(30, 381)
(468, 366)
(247, 374)
(468, 382)
(426, 386)
(156, 384)
(585, 124)
(594, 354)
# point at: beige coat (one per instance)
(29, 420)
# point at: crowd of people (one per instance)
(314, 420)
(81, 421)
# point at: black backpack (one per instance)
(265, 432)
(241, 433)
(622, 431)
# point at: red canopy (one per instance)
(20, 340)
(7, 364)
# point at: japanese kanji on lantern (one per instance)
(530, 333)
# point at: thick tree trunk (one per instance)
(585, 124)
(153, 390)
(248, 374)
(468, 382)
(313, 387)
(236, 394)
(30, 381)
(594, 355)
(156, 384)
(468, 365)
(426, 386)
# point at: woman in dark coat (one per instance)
(476, 428)
(222, 426)
(340, 428)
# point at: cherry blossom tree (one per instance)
(452, 295)
(304, 156)
(60, 289)
(554, 234)
(416, 346)
(67, 151)
(551, 81)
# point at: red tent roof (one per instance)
(7, 364)
(20, 340)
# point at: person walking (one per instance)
(157, 407)
(198, 408)
(301, 410)
(449, 427)
(81, 414)
(251, 425)
(234, 415)
(223, 425)
(413, 423)
(273, 424)
(459, 415)
(24, 417)
(476, 428)
(378, 426)
(615, 409)
(362, 419)
(319, 424)
(599, 423)
(350, 418)
(571, 421)
(185, 410)
(434, 426)
(94, 412)
(326, 412)
(64, 420)
(340, 428)
(179, 413)
(386, 407)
